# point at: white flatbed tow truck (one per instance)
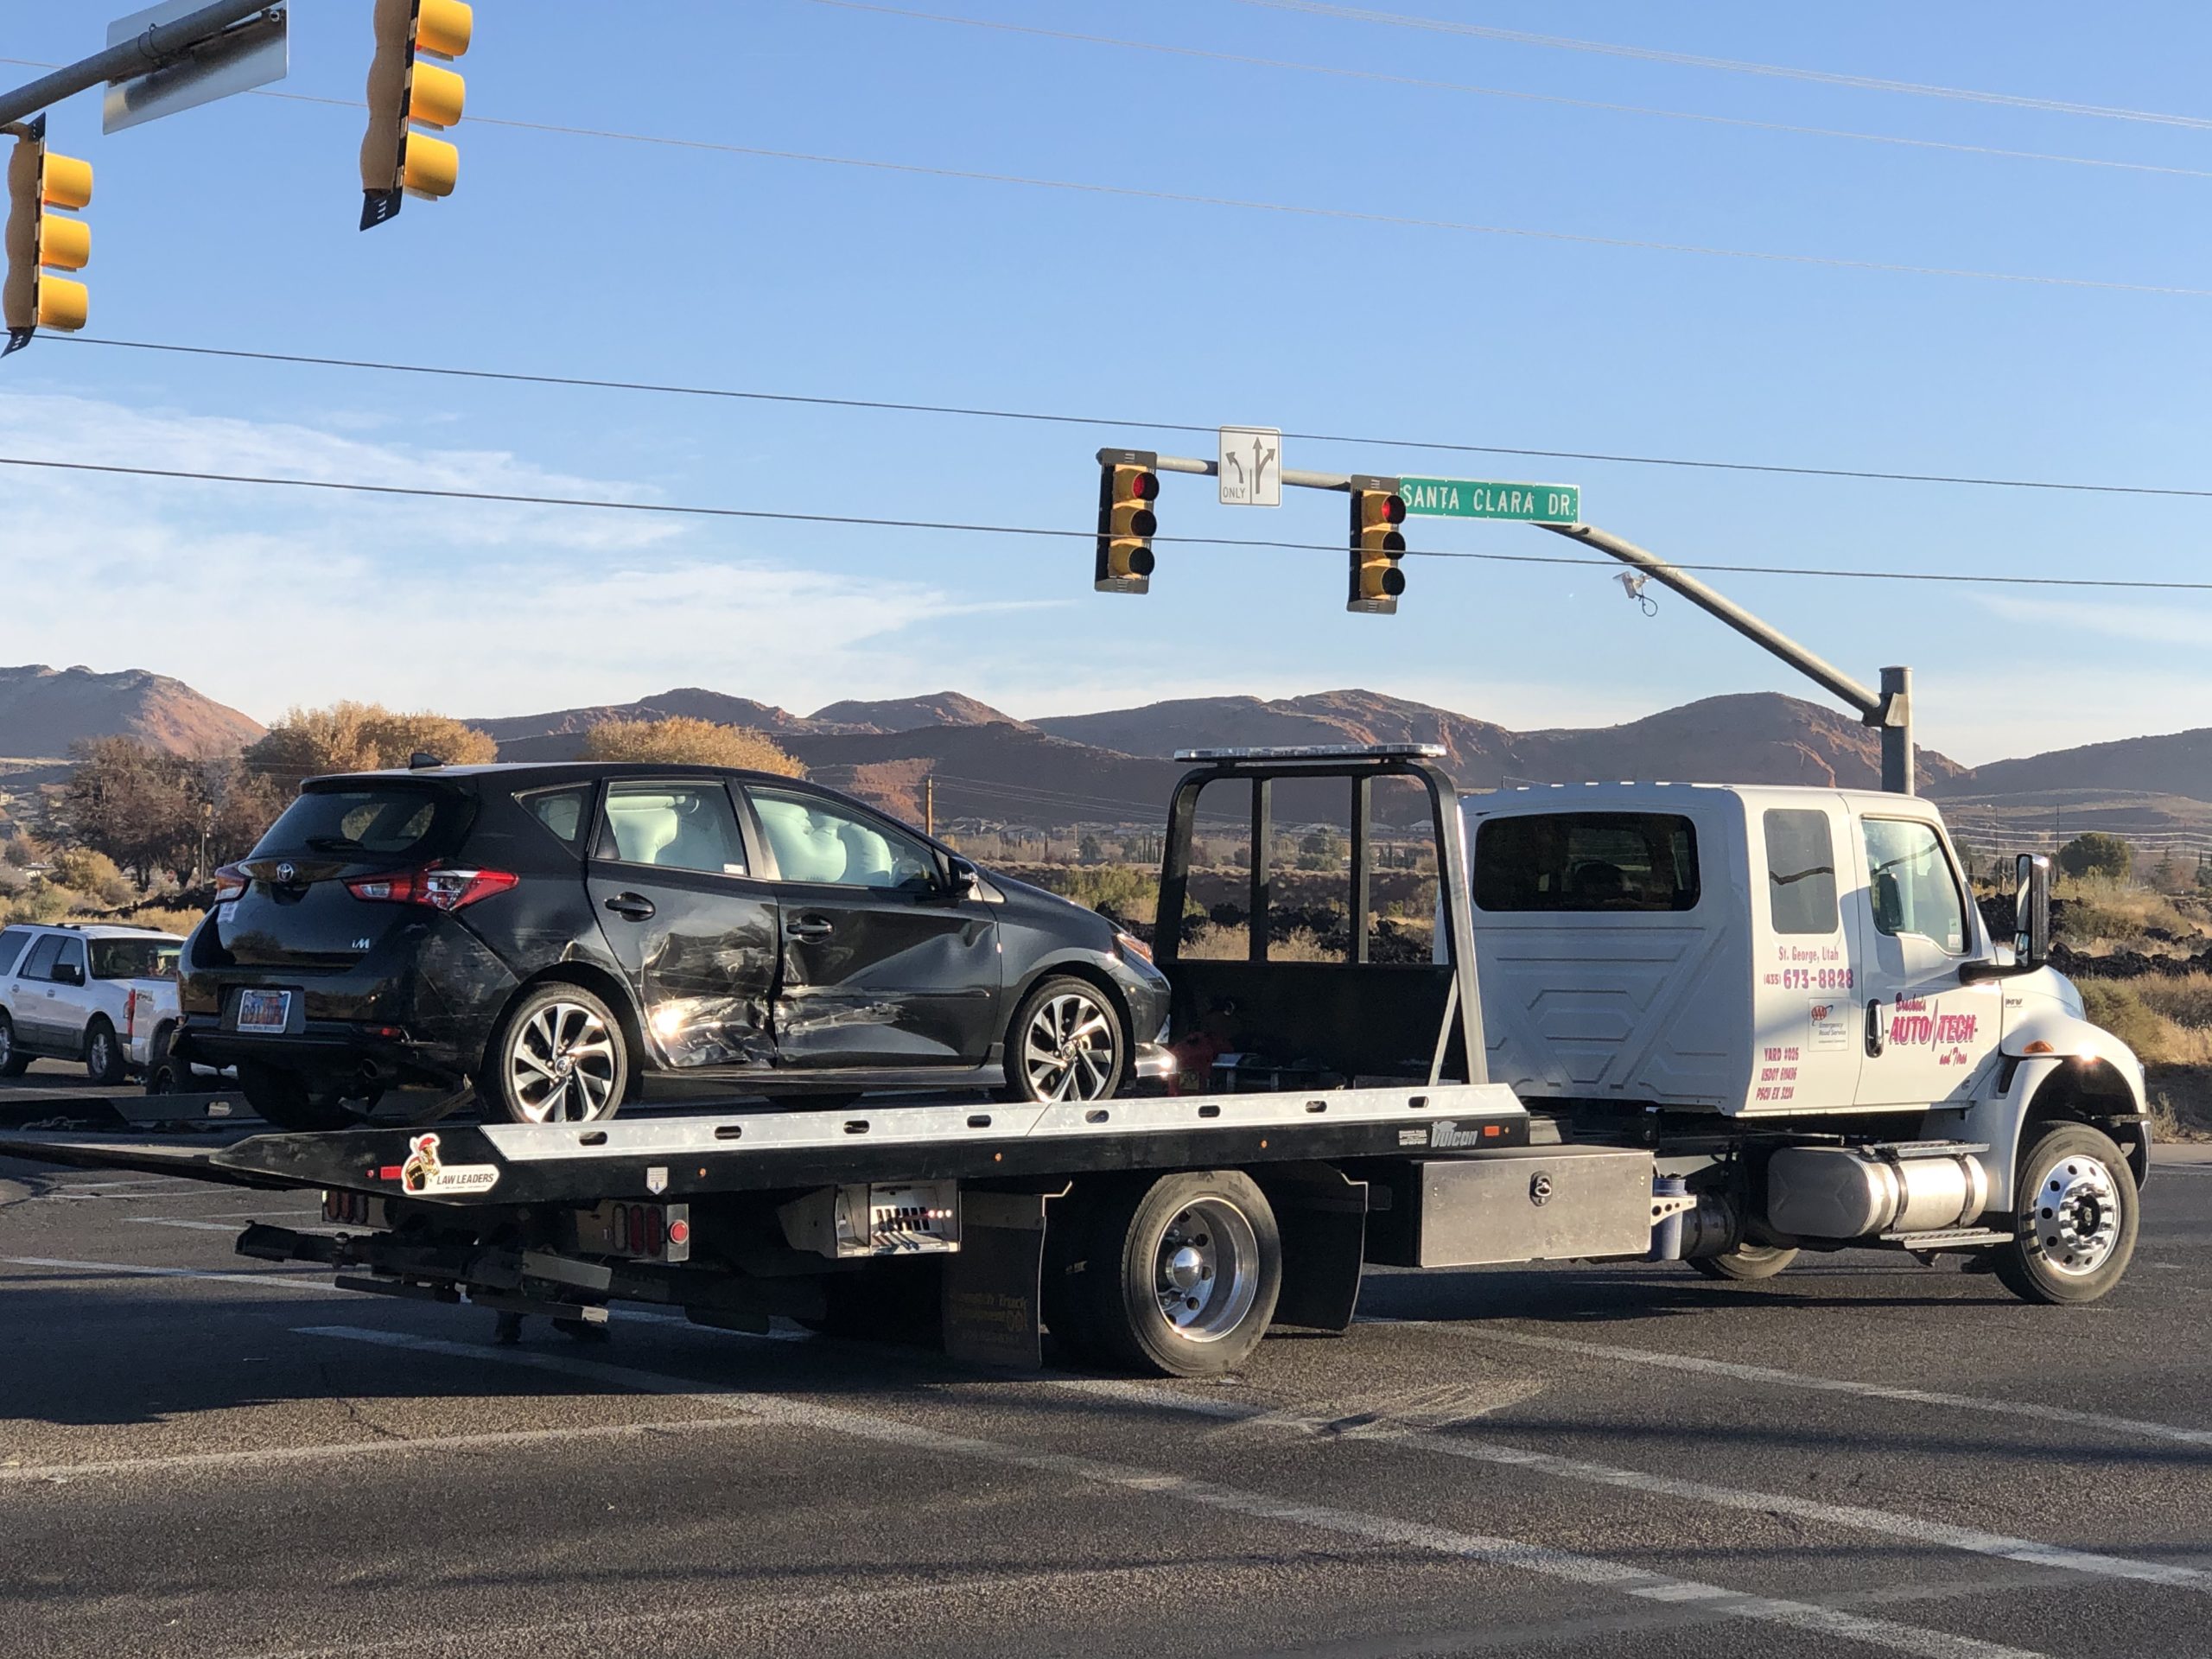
(1720, 1026)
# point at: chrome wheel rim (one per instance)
(1205, 1270)
(1068, 1051)
(2071, 1217)
(7, 1042)
(561, 1064)
(103, 1051)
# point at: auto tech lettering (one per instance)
(1920, 1022)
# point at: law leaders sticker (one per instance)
(424, 1172)
(1831, 1025)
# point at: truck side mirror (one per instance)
(2031, 910)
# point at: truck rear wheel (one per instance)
(13, 1061)
(2076, 1206)
(1182, 1275)
(1745, 1263)
(104, 1061)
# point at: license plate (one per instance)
(264, 1010)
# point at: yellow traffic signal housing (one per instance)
(40, 242)
(1128, 485)
(1377, 545)
(406, 91)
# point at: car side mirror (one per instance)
(966, 878)
(1889, 902)
(2031, 910)
(68, 973)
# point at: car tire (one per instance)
(13, 1061)
(1066, 1041)
(283, 1100)
(105, 1062)
(2076, 1207)
(558, 1057)
(1204, 1241)
(1747, 1264)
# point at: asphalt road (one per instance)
(201, 1456)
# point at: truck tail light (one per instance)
(129, 1016)
(231, 882)
(439, 888)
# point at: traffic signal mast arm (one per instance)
(162, 44)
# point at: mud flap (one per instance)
(991, 1295)
(1321, 1215)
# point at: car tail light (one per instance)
(129, 1016)
(231, 882)
(440, 889)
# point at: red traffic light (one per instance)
(1144, 487)
(1393, 509)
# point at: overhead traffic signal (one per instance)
(1128, 486)
(1377, 545)
(406, 91)
(40, 242)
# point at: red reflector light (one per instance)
(440, 889)
(679, 1232)
(653, 1233)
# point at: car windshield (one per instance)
(135, 958)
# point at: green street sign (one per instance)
(1480, 498)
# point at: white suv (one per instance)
(103, 994)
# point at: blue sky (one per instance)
(233, 226)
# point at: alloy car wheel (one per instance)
(1070, 1046)
(563, 1063)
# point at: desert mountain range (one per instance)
(1115, 765)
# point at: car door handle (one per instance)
(634, 906)
(1873, 1026)
(809, 927)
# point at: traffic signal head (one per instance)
(1128, 486)
(1377, 545)
(41, 242)
(406, 89)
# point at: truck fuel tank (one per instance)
(1920, 1186)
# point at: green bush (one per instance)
(2097, 854)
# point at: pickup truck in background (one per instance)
(101, 994)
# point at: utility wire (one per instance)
(1300, 210)
(428, 493)
(1734, 65)
(978, 413)
(1421, 83)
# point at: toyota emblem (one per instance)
(285, 872)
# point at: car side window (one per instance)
(69, 966)
(562, 811)
(814, 839)
(1910, 884)
(12, 941)
(40, 963)
(676, 826)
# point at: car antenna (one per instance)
(423, 757)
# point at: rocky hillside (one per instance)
(907, 714)
(2179, 763)
(43, 710)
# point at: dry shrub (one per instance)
(2120, 1007)
(681, 740)
(1214, 943)
(360, 737)
(2185, 999)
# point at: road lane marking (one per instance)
(259, 1456)
(1586, 1570)
(1776, 1378)
(1849, 1516)
(178, 1221)
(314, 1281)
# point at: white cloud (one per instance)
(2178, 623)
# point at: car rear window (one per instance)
(373, 820)
(1586, 861)
(135, 958)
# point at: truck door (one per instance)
(1806, 1001)
(1924, 1033)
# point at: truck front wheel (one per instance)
(2076, 1208)
(1183, 1274)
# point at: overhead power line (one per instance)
(1735, 66)
(1301, 210)
(739, 394)
(681, 510)
(1346, 71)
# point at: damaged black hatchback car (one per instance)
(552, 934)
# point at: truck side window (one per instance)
(1801, 871)
(1586, 861)
(39, 964)
(1910, 884)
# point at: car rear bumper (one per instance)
(386, 1056)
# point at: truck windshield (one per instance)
(135, 958)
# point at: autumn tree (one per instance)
(360, 737)
(683, 740)
(148, 810)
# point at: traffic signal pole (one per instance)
(1888, 710)
(162, 44)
